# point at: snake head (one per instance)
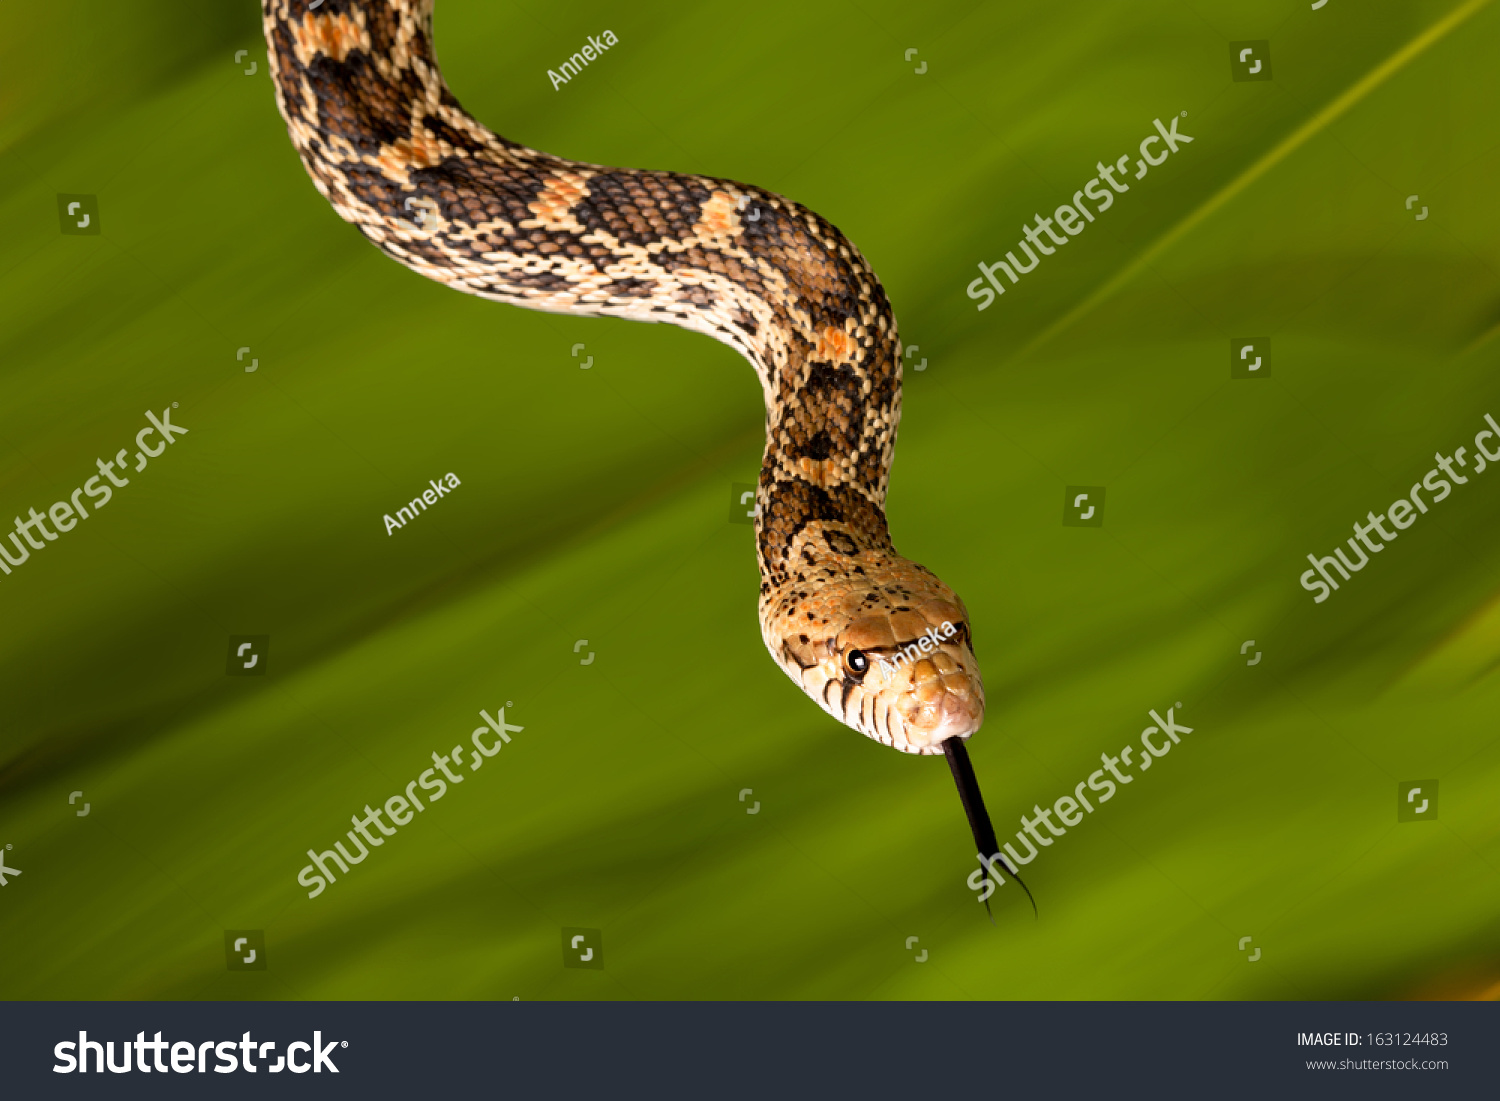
(921, 664)
(894, 661)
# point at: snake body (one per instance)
(875, 639)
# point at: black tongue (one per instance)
(968, 793)
(979, 818)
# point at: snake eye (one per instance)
(856, 661)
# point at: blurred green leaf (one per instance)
(592, 506)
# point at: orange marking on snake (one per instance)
(333, 35)
(719, 218)
(835, 346)
(408, 154)
(553, 206)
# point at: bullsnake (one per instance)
(874, 638)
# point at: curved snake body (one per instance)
(877, 640)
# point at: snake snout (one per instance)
(944, 702)
(951, 713)
(961, 716)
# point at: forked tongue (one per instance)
(979, 818)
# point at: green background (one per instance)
(593, 506)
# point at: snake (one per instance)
(875, 639)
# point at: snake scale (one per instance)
(875, 639)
